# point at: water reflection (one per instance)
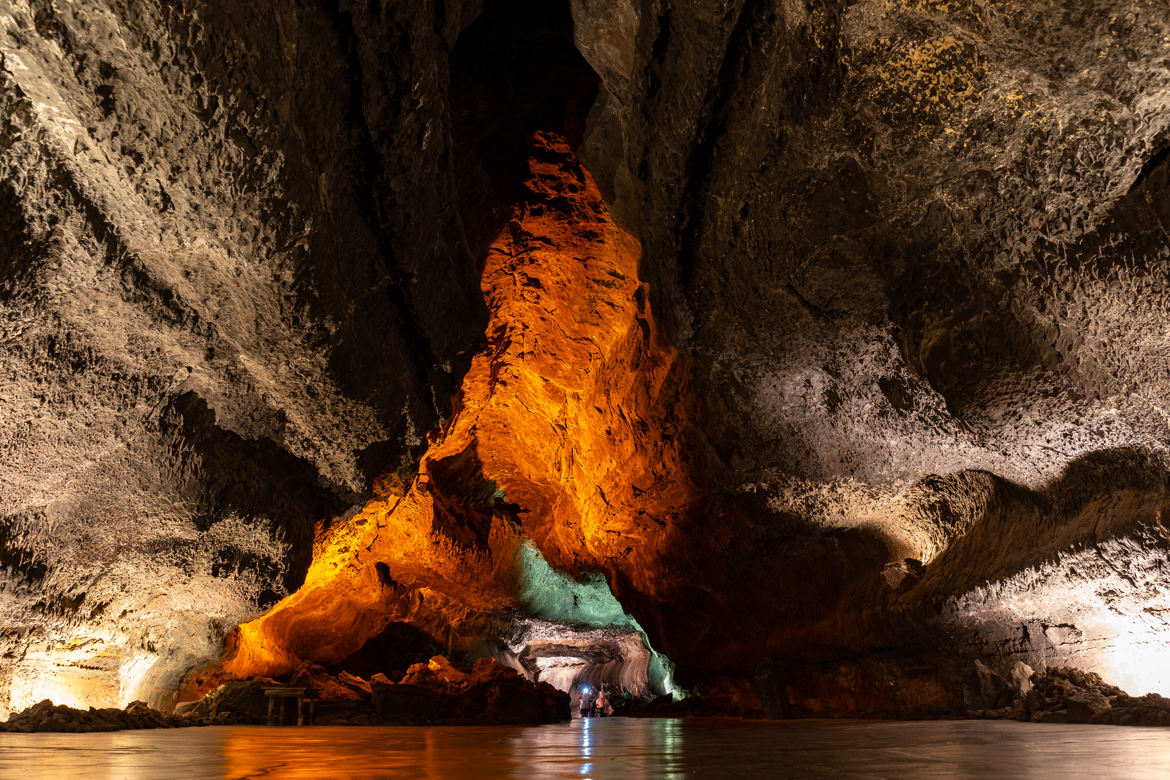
(615, 747)
(586, 747)
(604, 748)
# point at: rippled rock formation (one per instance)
(831, 335)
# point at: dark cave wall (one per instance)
(870, 223)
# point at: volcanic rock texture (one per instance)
(908, 260)
(919, 259)
(220, 317)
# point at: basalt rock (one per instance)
(45, 716)
(233, 702)
(1071, 696)
(488, 693)
(432, 692)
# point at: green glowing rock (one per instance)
(587, 602)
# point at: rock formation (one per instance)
(434, 692)
(829, 335)
(45, 716)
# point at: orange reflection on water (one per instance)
(605, 748)
(582, 748)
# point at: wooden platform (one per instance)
(304, 696)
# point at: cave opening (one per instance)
(575, 635)
(515, 71)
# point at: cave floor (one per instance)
(615, 747)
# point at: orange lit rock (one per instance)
(388, 563)
(570, 399)
(562, 420)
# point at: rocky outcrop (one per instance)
(431, 692)
(233, 702)
(489, 692)
(1072, 696)
(45, 716)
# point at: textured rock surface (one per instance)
(218, 320)
(916, 250)
(904, 408)
(46, 716)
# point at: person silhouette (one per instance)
(602, 706)
(587, 702)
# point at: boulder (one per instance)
(1082, 707)
(234, 702)
(1019, 678)
(984, 689)
(330, 687)
(437, 673)
(356, 684)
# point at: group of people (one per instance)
(595, 704)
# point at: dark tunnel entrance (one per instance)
(515, 70)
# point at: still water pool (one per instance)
(616, 747)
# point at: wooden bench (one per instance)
(285, 693)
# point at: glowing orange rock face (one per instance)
(570, 395)
(566, 410)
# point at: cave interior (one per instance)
(765, 359)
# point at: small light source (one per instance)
(585, 689)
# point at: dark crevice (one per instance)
(514, 71)
(369, 170)
(1160, 156)
(759, 28)
(25, 565)
(18, 255)
(718, 104)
